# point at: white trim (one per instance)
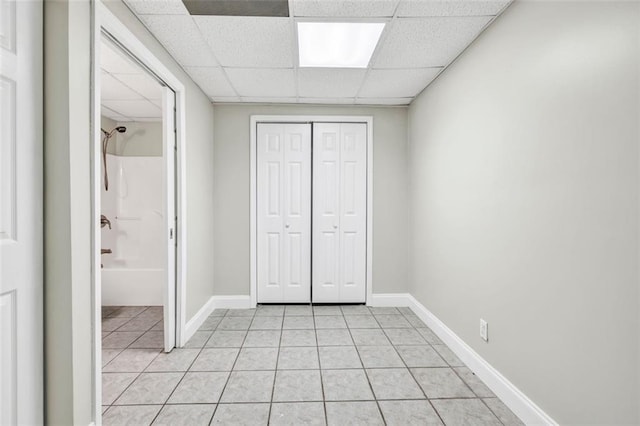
(104, 19)
(255, 119)
(232, 302)
(198, 319)
(214, 302)
(513, 397)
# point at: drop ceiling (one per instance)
(255, 58)
(127, 92)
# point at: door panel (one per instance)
(284, 211)
(21, 262)
(340, 219)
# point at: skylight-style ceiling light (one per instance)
(337, 44)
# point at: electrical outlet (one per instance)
(484, 330)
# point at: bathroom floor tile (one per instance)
(465, 412)
(199, 388)
(409, 413)
(289, 365)
(353, 413)
(226, 339)
(394, 383)
(298, 358)
(379, 357)
(185, 415)
(241, 414)
(133, 415)
(298, 338)
(441, 383)
(257, 359)
(346, 385)
(297, 385)
(249, 386)
(176, 360)
(262, 339)
(297, 413)
(215, 359)
(150, 388)
(332, 357)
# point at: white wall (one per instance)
(524, 204)
(67, 216)
(232, 186)
(142, 139)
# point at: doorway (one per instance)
(311, 209)
(139, 236)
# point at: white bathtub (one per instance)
(132, 287)
(133, 273)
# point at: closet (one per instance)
(311, 218)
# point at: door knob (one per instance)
(335, 226)
(286, 226)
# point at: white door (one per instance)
(21, 260)
(169, 155)
(339, 212)
(284, 213)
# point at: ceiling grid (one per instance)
(255, 58)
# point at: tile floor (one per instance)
(290, 365)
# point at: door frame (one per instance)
(253, 200)
(103, 20)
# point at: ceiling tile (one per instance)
(112, 89)
(329, 82)
(263, 82)
(269, 100)
(348, 8)
(383, 101)
(141, 108)
(114, 61)
(427, 42)
(249, 42)
(182, 38)
(397, 83)
(142, 83)
(451, 7)
(211, 80)
(157, 7)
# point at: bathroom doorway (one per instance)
(137, 258)
(137, 214)
(138, 204)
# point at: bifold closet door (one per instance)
(339, 212)
(284, 213)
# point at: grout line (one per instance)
(366, 375)
(275, 373)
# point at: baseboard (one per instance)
(390, 299)
(232, 302)
(214, 302)
(196, 321)
(517, 401)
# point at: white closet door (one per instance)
(339, 212)
(284, 213)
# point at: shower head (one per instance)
(119, 129)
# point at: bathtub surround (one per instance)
(133, 273)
